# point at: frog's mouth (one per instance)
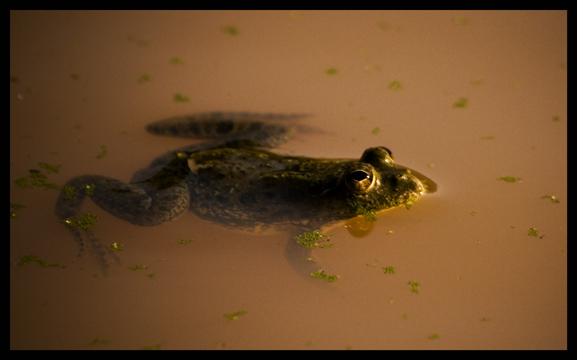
(426, 185)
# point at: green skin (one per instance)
(233, 180)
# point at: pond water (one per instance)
(464, 97)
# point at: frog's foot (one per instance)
(87, 242)
(141, 204)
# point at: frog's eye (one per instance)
(360, 181)
(387, 150)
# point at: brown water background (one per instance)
(484, 283)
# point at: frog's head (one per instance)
(375, 183)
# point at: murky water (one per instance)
(85, 82)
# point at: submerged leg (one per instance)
(140, 204)
(266, 129)
(300, 257)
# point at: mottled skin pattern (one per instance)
(235, 181)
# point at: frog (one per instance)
(235, 179)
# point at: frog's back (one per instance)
(223, 129)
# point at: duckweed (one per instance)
(177, 61)
(322, 275)
(509, 179)
(369, 215)
(461, 103)
(409, 203)
(70, 192)
(15, 207)
(312, 240)
(230, 30)
(331, 71)
(552, 197)
(395, 85)
(236, 315)
(389, 270)
(180, 98)
(138, 267)
(414, 286)
(115, 247)
(34, 258)
(51, 168)
(99, 341)
(102, 153)
(87, 221)
(144, 78)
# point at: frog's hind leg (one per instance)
(265, 129)
(140, 204)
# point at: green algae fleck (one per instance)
(15, 207)
(144, 78)
(552, 197)
(312, 240)
(99, 341)
(184, 241)
(34, 258)
(509, 179)
(180, 98)
(369, 215)
(409, 203)
(102, 153)
(177, 61)
(414, 286)
(383, 25)
(230, 30)
(49, 167)
(389, 270)
(460, 20)
(137, 267)
(38, 179)
(461, 103)
(322, 275)
(21, 183)
(395, 85)
(533, 232)
(89, 189)
(70, 192)
(331, 71)
(115, 247)
(86, 222)
(236, 315)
